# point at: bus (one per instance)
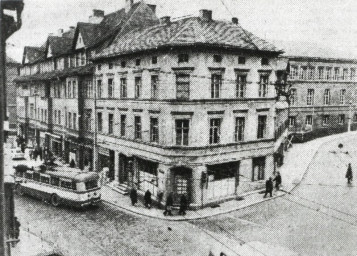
(60, 186)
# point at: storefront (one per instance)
(106, 159)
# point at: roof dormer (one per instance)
(79, 43)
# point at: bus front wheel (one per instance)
(55, 200)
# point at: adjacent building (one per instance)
(322, 96)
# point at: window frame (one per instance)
(182, 130)
(215, 130)
(239, 129)
(262, 126)
(137, 128)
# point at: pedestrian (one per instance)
(16, 228)
(147, 199)
(277, 180)
(133, 196)
(72, 164)
(40, 153)
(269, 187)
(183, 205)
(349, 174)
(169, 204)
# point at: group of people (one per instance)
(169, 202)
(269, 184)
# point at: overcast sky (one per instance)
(329, 24)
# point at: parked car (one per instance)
(17, 154)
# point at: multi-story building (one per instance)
(56, 80)
(12, 71)
(323, 96)
(189, 106)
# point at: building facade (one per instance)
(323, 96)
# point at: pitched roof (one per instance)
(33, 54)
(59, 45)
(10, 60)
(92, 33)
(115, 18)
(187, 32)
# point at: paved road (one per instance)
(319, 218)
(108, 231)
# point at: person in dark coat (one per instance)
(16, 228)
(40, 151)
(147, 199)
(169, 204)
(277, 180)
(133, 196)
(269, 187)
(349, 174)
(183, 205)
(72, 164)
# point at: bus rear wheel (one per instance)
(55, 200)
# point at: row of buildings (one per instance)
(192, 105)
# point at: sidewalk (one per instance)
(297, 161)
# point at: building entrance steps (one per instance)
(121, 188)
(297, 161)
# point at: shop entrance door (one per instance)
(123, 169)
(258, 169)
(182, 183)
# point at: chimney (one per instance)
(97, 17)
(235, 20)
(165, 20)
(152, 7)
(60, 32)
(128, 5)
(206, 15)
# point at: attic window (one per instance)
(154, 60)
(137, 62)
(265, 61)
(110, 65)
(99, 67)
(183, 57)
(241, 60)
(217, 58)
(123, 64)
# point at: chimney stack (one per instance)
(206, 15)
(96, 17)
(165, 20)
(152, 7)
(60, 32)
(235, 20)
(128, 5)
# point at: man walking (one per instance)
(147, 199)
(269, 187)
(277, 180)
(349, 174)
(183, 205)
(133, 196)
(169, 204)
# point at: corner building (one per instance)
(188, 106)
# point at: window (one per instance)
(294, 72)
(341, 119)
(123, 88)
(311, 73)
(239, 129)
(262, 125)
(241, 60)
(154, 86)
(345, 74)
(91, 184)
(122, 125)
(321, 73)
(110, 65)
(88, 120)
(327, 97)
(68, 184)
(36, 176)
(183, 57)
(74, 121)
(328, 73)
(241, 83)
(154, 130)
(59, 116)
(137, 62)
(55, 181)
(216, 84)
(32, 111)
(137, 121)
(183, 86)
(55, 116)
(83, 58)
(258, 168)
(69, 89)
(99, 67)
(336, 74)
(99, 89)
(45, 179)
(292, 97)
(137, 87)
(110, 88)
(352, 74)
(325, 119)
(292, 121)
(45, 113)
(100, 122)
(123, 64)
(215, 131)
(42, 116)
(310, 97)
(74, 87)
(308, 120)
(355, 117)
(69, 120)
(265, 61)
(342, 96)
(263, 86)
(154, 60)
(89, 89)
(302, 73)
(182, 132)
(110, 123)
(217, 58)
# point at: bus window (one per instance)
(36, 176)
(91, 184)
(28, 175)
(68, 184)
(45, 179)
(55, 181)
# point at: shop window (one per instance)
(222, 171)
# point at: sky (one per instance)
(309, 27)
